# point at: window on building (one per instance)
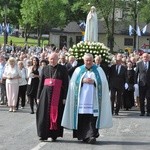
(128, 42)
(63, 41)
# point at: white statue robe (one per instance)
(91, 30)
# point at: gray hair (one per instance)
(98, 57)
(88, 55)
(11, 59)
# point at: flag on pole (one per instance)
(130, 30)
(7, 28)
(82, 26)
(138, 31)
(144, 29)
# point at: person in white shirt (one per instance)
(12, 75)
(22, 85)
(2, 82)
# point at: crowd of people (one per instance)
(65, 94)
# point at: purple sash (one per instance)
(56, 83)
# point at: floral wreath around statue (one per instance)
(94, 48)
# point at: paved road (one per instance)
(18, 132)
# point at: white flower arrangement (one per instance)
(95, 48)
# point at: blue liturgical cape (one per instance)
(101, 103)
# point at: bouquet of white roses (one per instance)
(94, 48)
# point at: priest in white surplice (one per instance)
(87, 107)
(91, 30)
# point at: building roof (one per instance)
(72, 27)
(120, 28)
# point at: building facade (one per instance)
(72, 34)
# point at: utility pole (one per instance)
(135, 36)
(5, 27)
(111, 33)
(137, 23)
(113, 26)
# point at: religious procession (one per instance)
(75, 89)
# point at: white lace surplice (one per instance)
(86, 96)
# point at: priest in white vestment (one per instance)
(91, 30)
(88, 105)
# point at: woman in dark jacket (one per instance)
(129, 87)
(33, 82)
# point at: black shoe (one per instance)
(54, 139)
(43, 139)
(148, 114)
(32, 112)
(91, 140)
(116, 114)
(142, 114)
(97, 135)
(85, 140)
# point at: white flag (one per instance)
(138, 31)
(3, 25)
(82, 25)
(144, 29)
(7, 28)
(130, 30)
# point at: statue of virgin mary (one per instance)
(91, 30)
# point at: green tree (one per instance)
(107, 10)
(31, 16)
(40, 14)
(76, 10)
(10, 13)
(145, 11)
(13, 11)
(54, 14)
